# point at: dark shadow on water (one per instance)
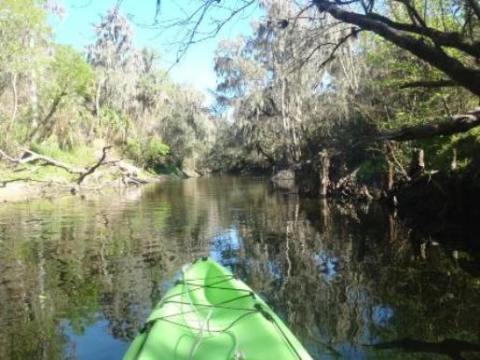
(449, 347)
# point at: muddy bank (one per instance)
(32, 190)
(33, 176)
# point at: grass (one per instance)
(36, 173)
(80, 156)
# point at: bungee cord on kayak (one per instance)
(200, 319)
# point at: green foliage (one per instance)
(464, 148)
(281, 109)
(72, 74)
(23, 27)
(150, 153)
(115, 125)
(58, 102)
(372, 170)
(82, 155)
(168, 169)
(155, 151)
(133, 149)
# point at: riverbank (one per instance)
(81, 172)
(24, 191)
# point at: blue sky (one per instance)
(196, 68)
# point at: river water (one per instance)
(78, 277)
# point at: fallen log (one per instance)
(33, 156)
(30, 156)
(3, 155)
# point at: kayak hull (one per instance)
(211, 315)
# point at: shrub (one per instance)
(149, 154)
(155, 152)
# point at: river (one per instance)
(78, 277)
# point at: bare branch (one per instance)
(8, 157)
(33, 156)
(92, 169)
(342, 41)
(195, 31)
(83, 173)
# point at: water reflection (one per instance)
(77, 278)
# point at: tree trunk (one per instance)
(47, 125)
(15, 98)
(417, 165)
(33, 90)
(97, 98)
(390, 176)
(286, 132)
(453, 165)
(325, 214)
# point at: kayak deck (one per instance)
(210, 315)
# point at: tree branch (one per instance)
(433, 55)
(46, 119)
(264, 153)
(94, 167)
(440, 38)
(8, 157)
(475, 7)
(83, 173)
(456, 124)
(33, 156)
(429, 84)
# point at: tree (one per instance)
(112, 55)
(23, 35)
(285, 86)
(69, 81)
(443, 34)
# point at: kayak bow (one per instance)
(211, 315)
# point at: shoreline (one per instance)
(26, 191)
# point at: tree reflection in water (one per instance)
(79, 277)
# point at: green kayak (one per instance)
(211, 315)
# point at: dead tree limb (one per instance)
(92, 169)
(391, 153)
(3, 183)
(4, 155)
(33, 156)
(82, 173)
